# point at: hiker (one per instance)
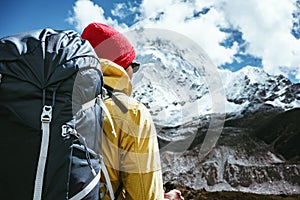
(132, 157)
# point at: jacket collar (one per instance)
(116, 77)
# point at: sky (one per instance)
(234, 33)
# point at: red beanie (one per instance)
(109, 44)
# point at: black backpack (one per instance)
(51, 114)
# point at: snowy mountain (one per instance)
(211, 121)
(251, 86)
(177, 89)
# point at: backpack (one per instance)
(51, 114)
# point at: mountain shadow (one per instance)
(282, 133)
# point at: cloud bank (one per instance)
(265, 27)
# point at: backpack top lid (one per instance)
(45, 56)
(41, 63)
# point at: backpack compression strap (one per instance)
(88, 188)
(45, 119)
(94, 182)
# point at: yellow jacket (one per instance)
(133, 156)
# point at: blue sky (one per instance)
(234, 33)
(19, 15)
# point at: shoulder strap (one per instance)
(108, 183)
(110, 93)
(119, 190)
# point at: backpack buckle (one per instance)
(46, 114)
(67, 131)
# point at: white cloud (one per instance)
(122, 10)
(119, 10)
(85, 12)
(265, 26)
(150, 7)
(178, 16)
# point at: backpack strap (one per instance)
(104, 108)
(46, 119)
(119, 190)
(110, 93)
(88, 188)
(108, 183)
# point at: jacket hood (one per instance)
(116, 77)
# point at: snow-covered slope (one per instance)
(178, 90)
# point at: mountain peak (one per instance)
(180, 87)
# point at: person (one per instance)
(132, 157)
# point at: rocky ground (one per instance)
(264, 161)
(189, 194)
